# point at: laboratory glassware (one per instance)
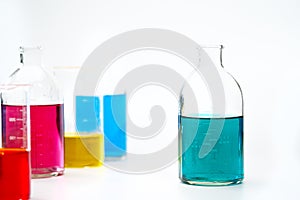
(15, 174)
(84, 142)
(46, 114)
(114, 125)
(211, 137)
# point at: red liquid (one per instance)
(47, 130)
(14, 174)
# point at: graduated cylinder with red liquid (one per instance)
(15, 172)
(46, 112)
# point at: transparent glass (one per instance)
(46, 114)
(112, 120)
(114, 126)
(84, 142)
(211, 124)
(15, 172)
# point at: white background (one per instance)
(262, 46)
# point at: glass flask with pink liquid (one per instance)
(46, 114)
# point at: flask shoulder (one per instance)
(234, 101)
(232, 81)
(43, 90)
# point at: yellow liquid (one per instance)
(84, 150)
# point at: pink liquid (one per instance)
(14, 127)
(47, 129)
(47, 134)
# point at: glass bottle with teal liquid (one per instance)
(211, 124)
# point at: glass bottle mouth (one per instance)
(33, 52)
(22, 49)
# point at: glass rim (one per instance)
(65, 67)
(13, 86)
(208, 46)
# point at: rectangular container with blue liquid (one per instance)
(114, 125)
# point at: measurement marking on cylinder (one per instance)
(12, 119)
(12, 137)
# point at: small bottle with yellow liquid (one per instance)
(84, 142)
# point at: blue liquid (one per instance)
(114, 126)
(87, 114)
(211, 156)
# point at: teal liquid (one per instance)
(211, 156)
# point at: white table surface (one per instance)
(280, 182)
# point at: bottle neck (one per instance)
(215, 54)
(31, 56)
